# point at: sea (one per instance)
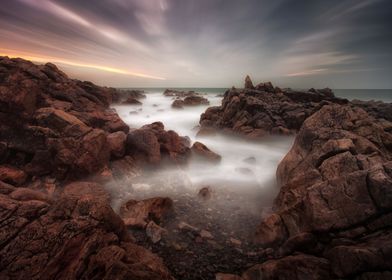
(234, 170)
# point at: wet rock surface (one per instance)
(71, 237)
(206, 237)
(331, 220)
(262, 110)
(336, 184)
(50, 124)
(186, 98)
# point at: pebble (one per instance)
(206, 234)
(235, 242)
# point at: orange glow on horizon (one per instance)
(42, 59)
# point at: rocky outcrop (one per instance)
(121, 95)
(151, 144)
(256, 112)
(139, 213)
(50, 124)
(335, 196)
(248, 83)
(192, 100)
(75, 236)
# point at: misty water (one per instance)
(232, 173)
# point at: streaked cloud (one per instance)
(206, 42)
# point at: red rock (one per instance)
(139, 213)
(116, 142)
(257, 113)
(271, 231)
(12, 175)
(73, 237)
(201, 151)
(24, 194)
(224, 276)
(56, 117)
(296, 267)
(154, 232)
(195, 100)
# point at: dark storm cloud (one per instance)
(207, 42)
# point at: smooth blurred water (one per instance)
(233, 171)
(384, 95)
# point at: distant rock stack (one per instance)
(248, 83)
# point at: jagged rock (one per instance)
(151, 144)
(116, 142)
(224, 276)
(12, 175)
(248, 83)
(138, 213)
(195, 100)
(296, 267)
(259, 112)
(73, 237)
(154, 232)
(56, 125)
(132, 101)
(336, 181)
(201, 151)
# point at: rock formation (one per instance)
(74, 236)
(265, 110)
(335, 198)
(54, 130)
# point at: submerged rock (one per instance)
(205, 193)
(132, 101)
(200, 150)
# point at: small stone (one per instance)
(235, 242)
(205, 193)
(154, 232)
(250, 160)
(206, 234)
(187, 227)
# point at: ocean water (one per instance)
(232, 172)
(384, 95)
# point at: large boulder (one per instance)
(152, 143)
(335, 183)
(76, 236)
(50, 124)
(201, 151)
(139, 213)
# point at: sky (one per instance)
(205, 43)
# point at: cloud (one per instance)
(207, 42)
